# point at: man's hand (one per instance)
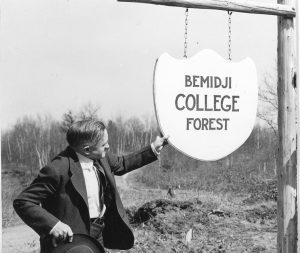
(61, 232)
(160, 142)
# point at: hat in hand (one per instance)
(81, 244)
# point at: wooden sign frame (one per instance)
(288, 205)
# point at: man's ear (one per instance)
(86, 149)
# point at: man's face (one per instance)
(99, 150)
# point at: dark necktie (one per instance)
(102, 182)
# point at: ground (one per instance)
(192, 221)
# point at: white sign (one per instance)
(205, 104)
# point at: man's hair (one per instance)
(85, 131)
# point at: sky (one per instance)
(57, 55)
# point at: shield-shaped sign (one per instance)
(205, 104)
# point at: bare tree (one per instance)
(269, 109)
(88, 111)
(68, 119)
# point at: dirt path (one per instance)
(19, 239)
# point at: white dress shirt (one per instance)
(92, 186)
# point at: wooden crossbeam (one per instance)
(227, 5)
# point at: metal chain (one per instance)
(229, 35)
(185, 33)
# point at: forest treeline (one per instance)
(33, 141)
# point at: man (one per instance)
(76, 193)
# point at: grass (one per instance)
(240, 173)
(14, 179)
(220, 222)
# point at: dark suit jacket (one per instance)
(59, 193)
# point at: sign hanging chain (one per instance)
(229, 35)
(185, 33)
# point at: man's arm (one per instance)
(28, 203)
(121, 165)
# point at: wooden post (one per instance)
(287, 157)
(298, 126)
